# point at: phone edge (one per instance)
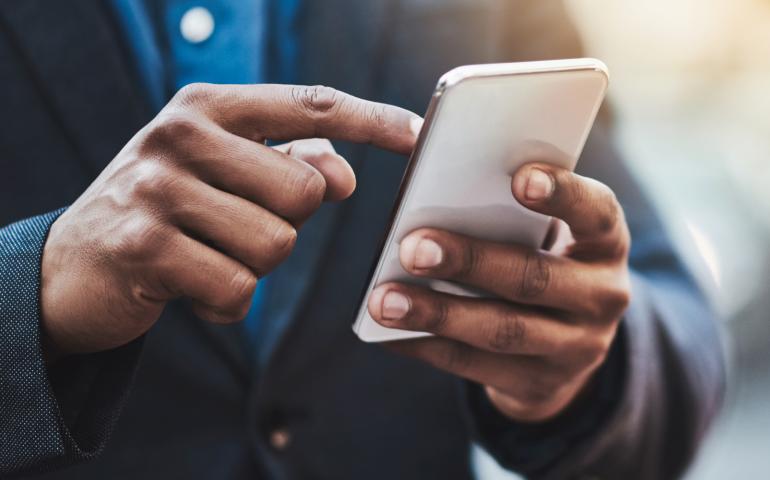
(446, 81)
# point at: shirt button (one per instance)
(197, 25)
(279, 439)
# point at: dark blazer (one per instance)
(189, 400)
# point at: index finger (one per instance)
(290, 112)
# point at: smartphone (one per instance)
(479, 121)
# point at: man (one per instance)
(114, 364)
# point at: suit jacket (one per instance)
(189, 400)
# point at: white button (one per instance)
(279, 439)
(197, 25)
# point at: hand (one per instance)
(196, 206)
(536, 345)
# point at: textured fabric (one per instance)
(351, 410)
(28, 424)
(39, 429)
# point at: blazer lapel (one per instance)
(341, 42)
(76, 57)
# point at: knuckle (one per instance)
(315, 100)
(618, 301)
(282, 239)
(194, 94)
(608, 210)
(613, 299)
(376, 115)
(465, 258)
(621, 246)
(536, 275)
(141, 237)
(507, 332)
(596, 350)
(242, 286)
(308, 187)
(313, 188)
(171, 129)
(150, 181)
(436, 316)
(590, 351)
(457, 357)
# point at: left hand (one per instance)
(536, 346)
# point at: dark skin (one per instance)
(537, 345)
(196, 206)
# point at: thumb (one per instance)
(320, 154)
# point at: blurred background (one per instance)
(690, 83)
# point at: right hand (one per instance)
(196, 206)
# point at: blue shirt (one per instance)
(234, 51)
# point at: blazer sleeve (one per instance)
(664, 379)
(49, 417)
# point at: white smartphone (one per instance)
(480, 118)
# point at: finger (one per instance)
(589, 207)
(220, 286)
(290, 112)
(244, 231)
(559, 239)
(282, 184)
(217, 315)
(509, 373)
(486, 324)
(533, 389)
(319, 152)
(515, 273)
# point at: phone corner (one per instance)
(601, 68)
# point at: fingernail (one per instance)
(415, 125)
(539, 185)
(394, 306)
(427, 254)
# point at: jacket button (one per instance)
(197, 25)
(279, 439)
